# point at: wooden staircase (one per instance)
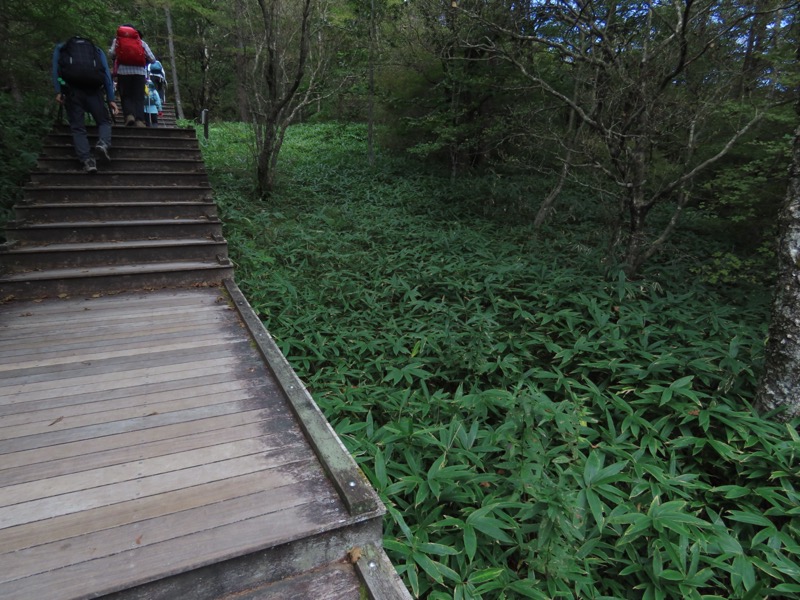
(162, 445)
(146, 220)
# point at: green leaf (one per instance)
(429, 566)
(470, 541)
(380, 469)
(491, 527)
(672, 575)
(484, 575)
(750, 518)
(438, 549)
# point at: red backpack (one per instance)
(130, 50)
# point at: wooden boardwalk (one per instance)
(156, 444)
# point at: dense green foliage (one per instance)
(536, 429)
(21, 137)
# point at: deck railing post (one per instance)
(204, 121)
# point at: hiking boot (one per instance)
(130, 121)
(89, 166)
(102, 150)
(140, 124)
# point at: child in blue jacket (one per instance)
(152, 105)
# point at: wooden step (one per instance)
(30, 213)
(131, 148)
(117, 193)
(126, 163)
(136, 132)
(108, 175)
(91, 231)
(129, 141)
(21, 259)
(107, 279)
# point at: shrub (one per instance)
(534, 429)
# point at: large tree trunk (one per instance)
(780, 383)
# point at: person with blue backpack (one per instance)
(158, 77)
(80, 77)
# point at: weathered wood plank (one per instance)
(139, 565)
(122, 440)
(129, 471)
(146, 390)
(165, 401)
(114, 323)
(158, 357)
(353, 486)
(73, 525)
(51, 362)
(105, 429)
(45, 508)
(379, 575)
(91, 340)
(131, 378)
(116, 303)
(115, 456)
(282, 492)
(61, 422)
(132, 300)
(335, 581)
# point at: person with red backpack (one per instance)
(80, 76)
(131, 55)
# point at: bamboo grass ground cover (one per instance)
(536, 428)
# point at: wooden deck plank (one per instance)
(161, 401)
(73, 525)
(141, 436)
(147, 390)
(176, 297)
(129, 471)
(113, 323)
(279, 493)
(119, 303)
(76, 346)
(52, 360)
(45, 508)
(91, 432)
(336, 581)
(61, 423)
(81, 385)
(90, 340)
(133, 438)
(139, 565)
(85, 368)
(115, 456)
(30, 320)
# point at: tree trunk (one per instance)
(780, 383)
(275, 88)
(371, 117)
(241, 61)
(205, 93)
(176, 91)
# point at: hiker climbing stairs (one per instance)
(145, 220)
